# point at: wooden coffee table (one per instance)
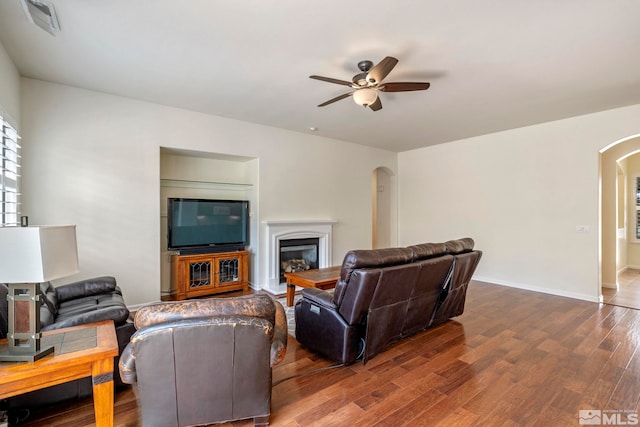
(321, 278)
(80, 351)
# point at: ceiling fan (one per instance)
(368, 83)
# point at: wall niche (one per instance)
(204, 175)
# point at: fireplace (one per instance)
(298, 255)
(299, 231)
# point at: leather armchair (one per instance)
(205, 361)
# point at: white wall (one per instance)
(9, 89)
(94, 160)
(520, 194)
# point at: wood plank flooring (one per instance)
(628, 292)
(514, 358)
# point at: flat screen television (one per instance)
(203, 225)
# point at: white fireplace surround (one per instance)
(295, 229)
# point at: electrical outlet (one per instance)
(582, 228)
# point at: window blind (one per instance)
(9, 174)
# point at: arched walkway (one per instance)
(383, 233)
(609, 245)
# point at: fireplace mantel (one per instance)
(295, 229)
(286, 222)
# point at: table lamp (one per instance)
(28, 257)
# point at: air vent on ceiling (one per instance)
(42, 14)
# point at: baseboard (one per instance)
(610, 285)
(550, 291)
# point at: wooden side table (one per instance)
(321, 278)
(80, 351)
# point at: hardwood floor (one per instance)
(628, 292)
(515, 358)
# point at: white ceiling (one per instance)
(492, 64)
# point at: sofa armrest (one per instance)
(127, 366)
(319, 297)
(84, 288)
(321, 329)
(280, 335)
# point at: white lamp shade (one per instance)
(37, 254)
(365, 96)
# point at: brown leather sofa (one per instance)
(385, 295)
(205, 361)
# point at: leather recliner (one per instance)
(205, 361)
(384, 295)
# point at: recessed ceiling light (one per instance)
(313, 128)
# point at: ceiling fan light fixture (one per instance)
(368, 83)
(365, 96)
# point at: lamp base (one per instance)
(8, 356)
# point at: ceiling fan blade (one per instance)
(330, 80)
(337, 98)
(376, 105)
(403, 87)
(381, 69)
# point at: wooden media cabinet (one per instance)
(207, 274)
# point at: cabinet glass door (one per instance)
(199, 274)
(228, 270)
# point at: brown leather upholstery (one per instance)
(205, 361)
(456, 291)
(385, 295)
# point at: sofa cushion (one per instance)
(460, 246)
(371, 258)
(367, 258)
(110, 306)
(84, 288)
(428, 250)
